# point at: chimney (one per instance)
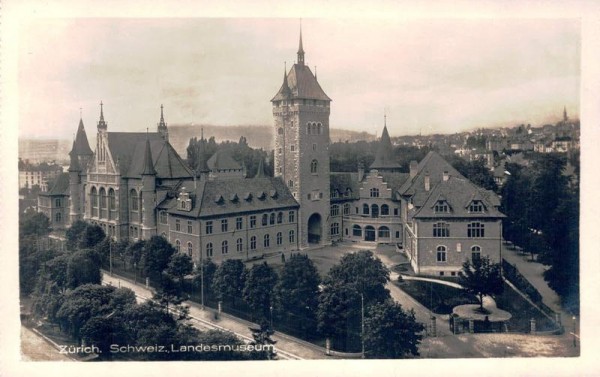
(427, 182)
(445, 175)
(413, 168)
(361, 172)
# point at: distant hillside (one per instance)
(259, 136)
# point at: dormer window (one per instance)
(441, 206)
(273, 194)
(184, 202)
(234, 198)
(248, 196)
(476, 206)
(219, 199)
(261, 195)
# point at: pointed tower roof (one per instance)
(74, 165)
(148, 164)
(300, 49)
(260, 171)
(384, 159)
(101, 123)
(162, 125)
(81, 147)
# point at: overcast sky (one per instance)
(430, 76)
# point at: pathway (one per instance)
(287, 346)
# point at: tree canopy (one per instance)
(258, 290)
(481, 277)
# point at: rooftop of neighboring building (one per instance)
(58, 187)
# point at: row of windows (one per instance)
(382, 231)
(441, 206)
(374, 210)
(239, 222)
(442, 253)
(239, 244)
(103, 198)
(474, 230)
(335, 209)
(313, 128)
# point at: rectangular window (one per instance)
(395, 211)
(441, 230)
(441, 256)
(252, 222)
(178, 225)
(224, 225)
(209, 227)
(291, 216)
(189, 227)
(476, 230)
(397, 234)
(238, 223)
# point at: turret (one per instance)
(162, 126)
(102, 125)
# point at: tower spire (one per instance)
(148, 164)
(565, 117)
(101, 123)
(162, 126)
(300, 48)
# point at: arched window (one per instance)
(279, 238)
(374, 210)
(102, 199)
(314, 166)
(279, 217)
(94, 195)
(272, 217)
(319, 128)
(385, 210)
(292, 236)
(253, 243)
(111, 199)
(475, 254)
(190, 248)
(356, 231)
(374, 192)
(365, 209)
(280, 131)
(308, 128)
(441, 254)
(267, 241)
(133, 200)
(383, 232)
(224, 247)
(265, 219)
(178, 246)
(209, 250)
(239, 245)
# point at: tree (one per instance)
(205, 271)
(83, 268)
(179, 266)
(258, 290)
(390, 332)
(91, 236)
(157, 255)
(481, 278)
(363, 272)
(102, 332)
(170, 293)
(297, 294)
(339, 315)
(229, 279)
(74, 234)
(36, 224)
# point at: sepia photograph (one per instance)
(261, 190)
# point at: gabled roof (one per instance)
(302, 84)
(222, 160)
(128, 148)
(342, 182)
(81, 147)
(216, 198)
(60, 186)
(458, 192)
(384, 159)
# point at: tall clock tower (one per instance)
(301, 113)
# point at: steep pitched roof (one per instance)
(81, 147)
(128, 148)
(384, 159)
(216, 198)
(342, 182)
(222, 160)
(301, 84)
(458, 192)
(60, 186)
(148, 163)
(394, 180)
(433, 165)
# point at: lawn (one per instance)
(438, 298)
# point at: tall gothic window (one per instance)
(313, 166)
(133, 200)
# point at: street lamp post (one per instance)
(202, 284)
(574, 331)
(271, 310)
(362, 323)
(110, 257)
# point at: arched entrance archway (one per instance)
(314, 228)
(369, 233)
